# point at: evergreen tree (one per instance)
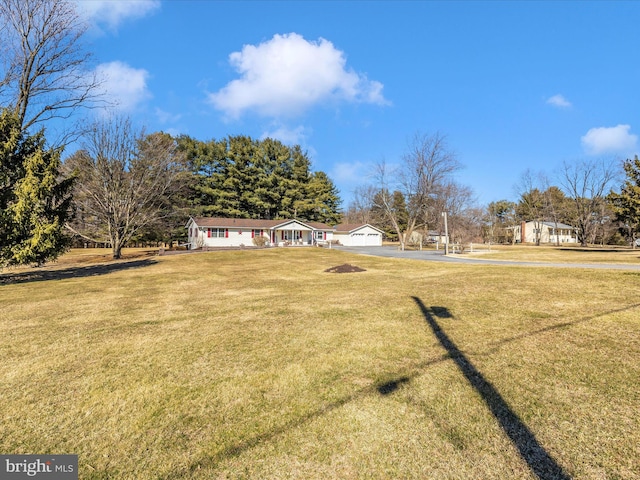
(209, 166)
(626, 204)
(240, 177)
(388, 208)
(399, 207)
(276, 168)
(501, 216)
(246, 178)
(530, 208)
(321, 202)
(297, 201)
(34, 202)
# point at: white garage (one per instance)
(362, 235)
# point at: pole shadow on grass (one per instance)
(538, 459)
(387, 388)
(72, 272)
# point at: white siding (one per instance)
(343, 238)
(365, 236)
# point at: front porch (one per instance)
(296, 235)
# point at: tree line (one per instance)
(246, 178)
(130, 186)
(125, 185)
(584, 198)
(409, 199)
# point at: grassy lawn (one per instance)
(259, 364)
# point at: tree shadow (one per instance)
(73, 272)
(236, 449)
(499, 343)
(388, 388)
(538, 459)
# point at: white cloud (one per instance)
(349, 173)
(288, 136)
(559, 101)
(125, 87)
(113, 12)
(287, 75)
(616, 139)
(166, 117)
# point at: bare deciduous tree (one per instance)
(587, 183)
(45, 72)
(531, 205)
(359, 209)
(123, 178)
(465, 219)
(424, 170)
(555, 207)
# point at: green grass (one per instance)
(258, 364)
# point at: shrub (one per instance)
(260, 241)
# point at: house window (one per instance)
(285, 235)
(256, 233)
(217, 232)
(320, 235)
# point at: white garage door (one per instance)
(373, 239)
(358, 239)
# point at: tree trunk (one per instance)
(116, 246)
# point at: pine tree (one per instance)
(245, 178)
(322, 200)
(626, 204)
(34, 202)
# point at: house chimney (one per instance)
(523, 226)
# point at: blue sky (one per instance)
(513, 85)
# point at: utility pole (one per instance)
(446, 234)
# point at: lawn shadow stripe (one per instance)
(532, 452)
(384, 389)
(73, 272)
(498, 343)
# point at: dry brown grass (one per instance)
(259, 364)
(553, 254)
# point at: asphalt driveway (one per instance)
(438, 256)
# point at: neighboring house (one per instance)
(431, 236)
(236, 232)
(358, 235)
(548, 232)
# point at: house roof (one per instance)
(318, 225)
(350, 227)
(220, 222)
(549, 224)
(558, 225)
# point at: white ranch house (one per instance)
(548, 232)
(204, 232)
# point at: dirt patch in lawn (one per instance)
(345, 268)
